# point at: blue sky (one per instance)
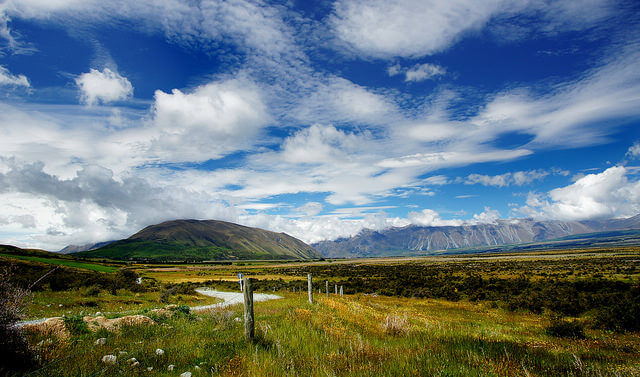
(314, 118)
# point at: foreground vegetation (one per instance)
(350, 336)
(538, 314)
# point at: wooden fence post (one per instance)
(336, 289)
(340, 291)
(248, 310)
(310, 286)
(327, 287)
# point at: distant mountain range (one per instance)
(199, 240)
(413, 239)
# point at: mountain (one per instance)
(413, 239)
(86, 247)
(200, 240)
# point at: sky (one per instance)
(314, 118)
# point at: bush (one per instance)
(565, 329)
(75, 325)
(13, 346)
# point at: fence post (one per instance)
(248, 310)
(340, 291)
(327, 287)
(336, 289)
(310, 286)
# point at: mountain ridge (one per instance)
(414, 238)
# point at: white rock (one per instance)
(237, 319)
(98, 313)
(109, 359)
(170, 367)
(135, 364)
(59, 305)
(196, 367)
(149, 369)
(159, 352)
(100, 341)
(186, 374)
(132, 360)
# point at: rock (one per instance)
(237, 319)
(109, 359)
(159, 352)
(122, 353)
(170, 367)
(135, 364)
(149, 369)
(100, 342)
(95, 323)
(196, 367)
(186, 374)
(51, 327)
(132, 360)
(98, 313)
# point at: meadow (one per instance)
(531, 314)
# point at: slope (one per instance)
(199, 240)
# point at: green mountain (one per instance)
(200, 240)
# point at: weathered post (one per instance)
(310, 285)
(248, 310)
(327, 287)
(340, 291)
(336, 289)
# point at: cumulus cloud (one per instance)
(103, 86)
(208, 122)
(423, 72)
(429, 217)
(6, 78)
(603, 195)
(418, 72)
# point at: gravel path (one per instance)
(229, 298)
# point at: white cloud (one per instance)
(103, 86)
(634, 150)
(414, 28)
(6, 78)
(603, 195)
(489, 216)
(517, 178)
(423, 72)
(429, 217)
(337, 100)
(212, 120)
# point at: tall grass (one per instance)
(349, 336)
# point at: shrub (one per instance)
(565, 329)
(13, 346)
(75, 325)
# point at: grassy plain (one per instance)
(470, 315)
(350, 336)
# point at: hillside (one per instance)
(412, 239)
(200, 240)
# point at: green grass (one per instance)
(63, 262)
(77, 302)
(351, 336)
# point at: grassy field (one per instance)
(64, 262)
(78, 302)
(350, 336)
(472, 315)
